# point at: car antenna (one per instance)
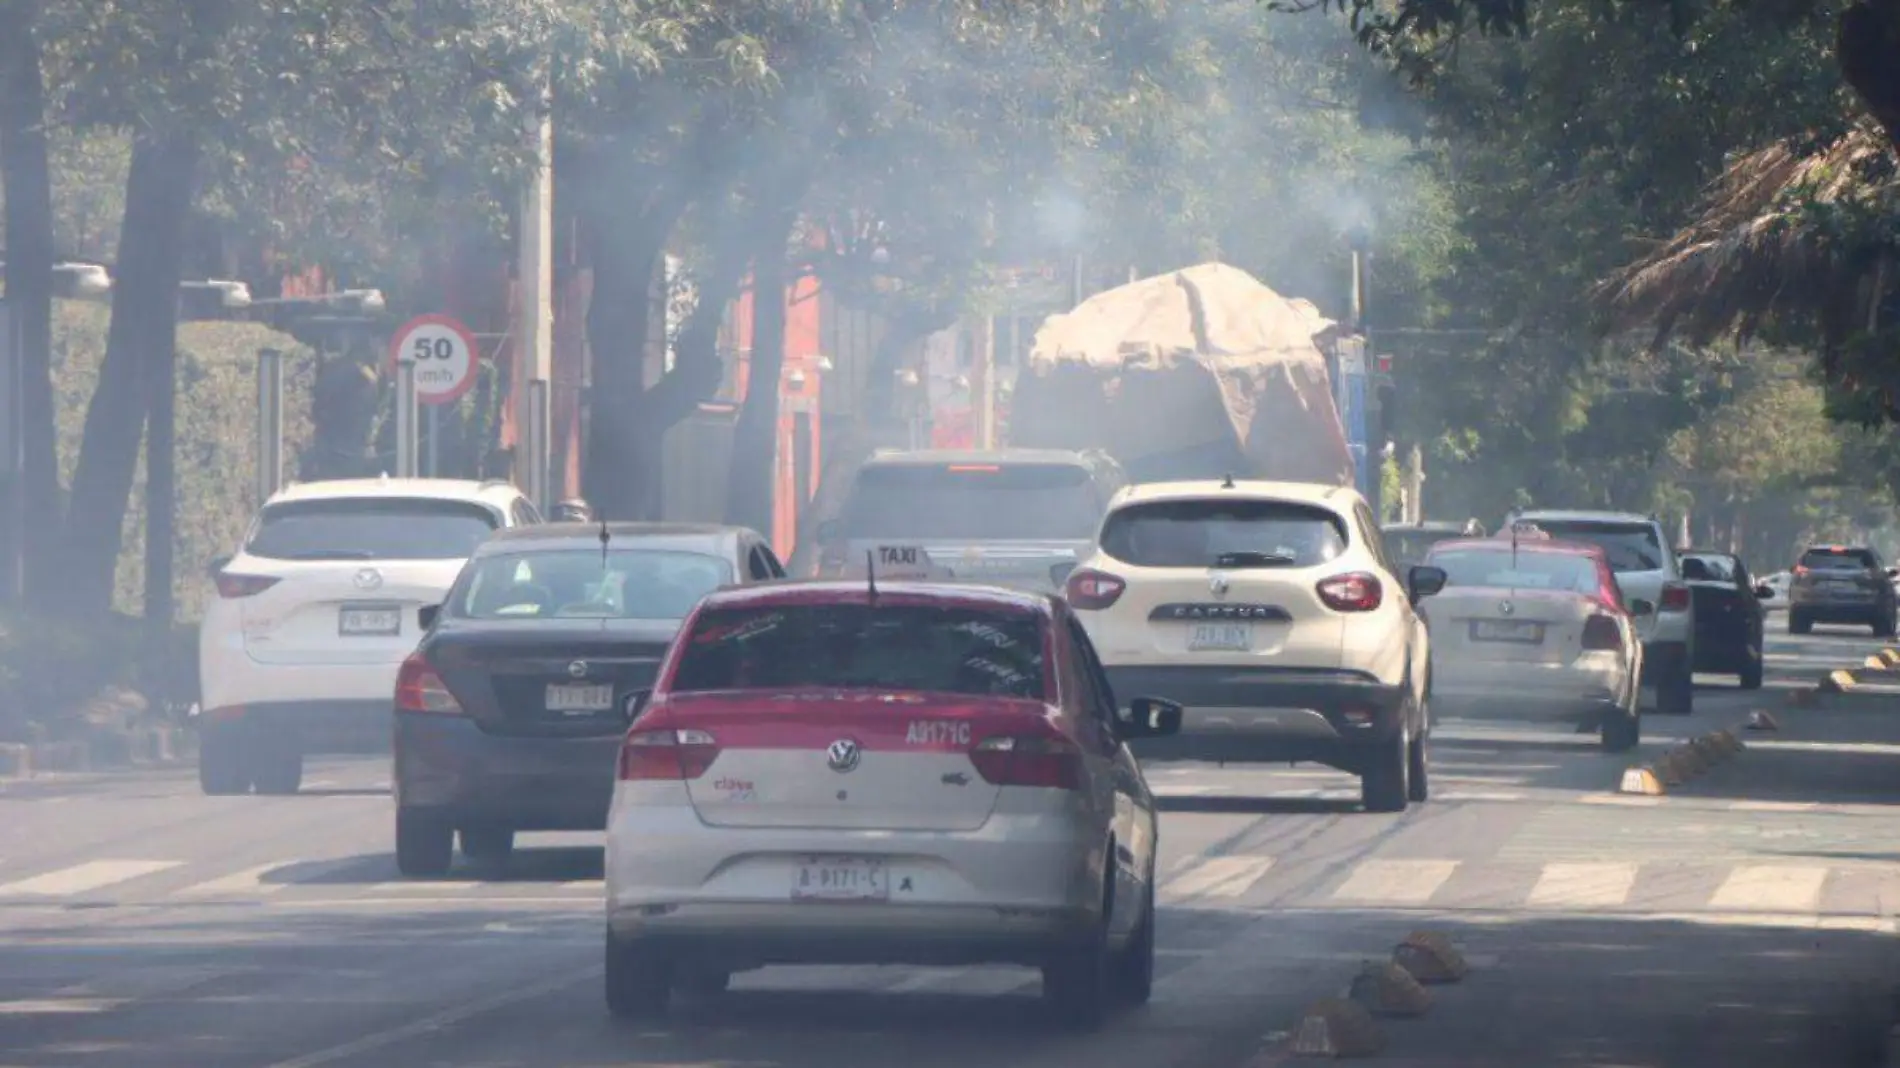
(870, 574)
(603, 544)
(1227, 481)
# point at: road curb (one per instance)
(1683, 763)
(1346, 1025)
(1881, 668)
(162, 746)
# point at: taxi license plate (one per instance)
(1220, 637)
(369, 621)
(1507, 630)
(568, 697)
(840, 879)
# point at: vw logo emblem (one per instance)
(368, 579)
(1506, 608)
(1217, 583)
(842, 755)
(577, 670)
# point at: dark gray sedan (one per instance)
(510, 713)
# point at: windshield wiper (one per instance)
(1253, 559)
(332, 554)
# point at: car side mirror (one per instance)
(427, 615)
(635, 704)
(1149, 717)
(1640, 607)
(217, 565)
(1893, 572)
(829, 530)
(1424, 580)
(1059, 573)
(1764, 593)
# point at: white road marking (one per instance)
(1478, 795)
(1219, 877)
(1769, 888)
(1401, 882)
(1192, 791)
(248, 881)
(1626, 800)
(424, 886)
(1773, 806)
(1583, 885)
(89, 876)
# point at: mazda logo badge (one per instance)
(842, 755)
(1506, 608)
(368, 579)
(577, 670)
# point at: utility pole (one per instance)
(1415, 486)
(534, 322)
(983, 382)
(13, 518)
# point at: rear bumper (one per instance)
(308, 726)
(448, 766)
(1275, 714)
(735, 937)
(1830, 609)
(1574, 690)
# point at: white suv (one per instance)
(1650, 577)
(316, 612)
(1272, 613)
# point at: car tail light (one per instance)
(673, 754)
(1601, 632)
(231, 586)
(1675, 597)
(1092, 590)
(1029, 760)
(419, 688)
(1359, 591)
(1800, 569)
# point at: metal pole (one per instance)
(270, 424)
(13, 519)
(983, 386)
(406, 418)
(537, 442)
(434, 424)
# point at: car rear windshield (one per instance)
(1838, 560)
(920, 648)
(1414, 544)
(371, 528)
(578, 584)
(1705, 567)
(1199, 533)
(973, 502)
(1527, 570)
(1629, 546)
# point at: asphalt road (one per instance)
(1747, 919)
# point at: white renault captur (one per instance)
(1272, 612)
(840, 773)
(316, 611)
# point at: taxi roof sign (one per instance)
(1528, 531)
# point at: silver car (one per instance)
(1841, 584)
(832, 773)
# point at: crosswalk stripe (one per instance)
(89, 876)
(1770, 888)
(1583, 885)
(248, 881)
(1397, 882)
(1773, 806)
(1220, 877)
(425, 885)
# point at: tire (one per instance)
(1622, 729)
(704, 985)
(222, 768)
(1383, 785)
(1135, 966)
(1675, 691)
(638, 982)
(1078, 983)
(1418, 760)
(425, 844)
(1884, 627)
(1798, 623)
(488, 846)
(279, 769)
(1752, 669)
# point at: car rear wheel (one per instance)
(1077, 983)
(1799, 623)
(1419, 757)
(1675, 690)
(1385, 783)
(222, 769)
(279, 768)
(491, 846)
(425, 844)
(1622, 728)
(1135, 970)
(639, 982)
(1884, 627)
(1752, 667)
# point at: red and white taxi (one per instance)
(1529, 625)
(832, 772)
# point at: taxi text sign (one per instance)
(445, 355)
(902, 563)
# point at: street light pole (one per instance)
(13, 518)
(534, 326)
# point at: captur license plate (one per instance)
(1507, 630)
(1220, 637)
(840, 879)
(369, 621)
(571, 697)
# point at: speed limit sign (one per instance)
(444, 353)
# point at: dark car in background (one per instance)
(1841, 584)
(510, 713)
(1410, 543)
(1728, 615)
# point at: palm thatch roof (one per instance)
(1792, 236)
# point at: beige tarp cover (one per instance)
(1194, 374)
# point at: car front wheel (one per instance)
(639, 982)
(1384, 784)
(425, 844)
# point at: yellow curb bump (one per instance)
(1891, 655)
(1337, 1027)
(1430, 958)
(1837, 682)
(1643, 781)
(1762, 721)
(1685, 763)
(1876, 663)
(1386, 989)
(1804, 698)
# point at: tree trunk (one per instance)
(139, 342)
(626, 261)
(1867, 49)
(29, 279)
(161, 498)
(749, 482)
